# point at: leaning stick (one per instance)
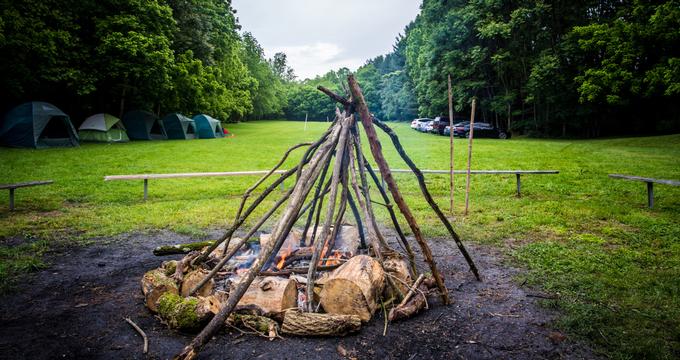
(295, 170)
(421, 182)
(366, 191)
(376, 150)
(314, 201)
(426, 193)
(240, 244)
(451, 145)
(390, 209)
(357, 218)
(469, 162)
(374, 234)
(412, 290)
(141, 332)
(318, 245)
(343, 204)
(300, 192)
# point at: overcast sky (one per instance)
(323, 35)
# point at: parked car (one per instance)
(439, 124)
(459, 128)
(427, 126)
(482, 130)
(417, 123)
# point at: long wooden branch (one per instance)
(357, 218)
(301, 190)
(376, 150)
(426, 194)
(314, 201)
(318, 245)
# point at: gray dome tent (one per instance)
(143, 125)
(37, 125)
(102, 128)
(208, 127)
(179, 127)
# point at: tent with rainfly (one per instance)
(37, 125)
(103, 128)
(143, 125)
(208, 127)
(179, 127)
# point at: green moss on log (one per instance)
(186, 314)
(181, 248)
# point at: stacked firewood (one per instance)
(342, 285)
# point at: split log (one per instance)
(185, 314)
(155, 283)
(310, 324)
(271, 294)
(192, 279)
(354, 288)
(181, 248)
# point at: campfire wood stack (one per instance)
(347, 283)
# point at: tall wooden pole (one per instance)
(451, 141)
(469, 162)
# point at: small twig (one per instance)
(412, 290)
(542, 296)
(384, 314)
(141, 332)
(437, 319)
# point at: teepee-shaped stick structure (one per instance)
(333, 170)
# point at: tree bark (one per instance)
(271, 294)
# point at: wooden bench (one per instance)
(12, 187)
(146, 177)
(650, 184)
(517, 173)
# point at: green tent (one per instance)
(103, 128)
(179, 127)
(143, 125)
(208, 127)
(37, 125)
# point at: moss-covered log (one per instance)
(260, 324)
(181, 248)
(185, 314)
(155, 283)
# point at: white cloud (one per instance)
(311, 60)
(323, 35)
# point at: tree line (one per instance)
(540, 67)
(115, 55)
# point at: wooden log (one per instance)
(260, 324)
(181, 248)
(155, 283)
(271, 294)
(192, 279)
(354, 288)
(310, 324)
(376, 150)
(185, 314)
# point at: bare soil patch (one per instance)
(75, 309)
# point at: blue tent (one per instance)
(208, 127)
(37, 125)
(179, 127)
(143, 125)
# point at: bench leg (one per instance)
(146, 189)
(11, 199)
(650, 195)
(519, 186)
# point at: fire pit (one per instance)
(323, 279)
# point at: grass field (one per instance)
(614, 263)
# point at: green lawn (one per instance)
(614, 263)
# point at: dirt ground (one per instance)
(75, 309)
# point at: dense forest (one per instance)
(93, 56)
(539, 67)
